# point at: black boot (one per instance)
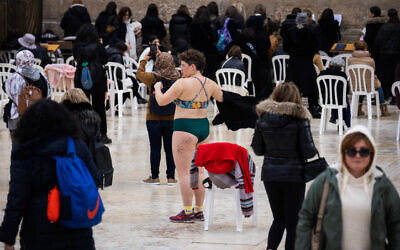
(314, 112)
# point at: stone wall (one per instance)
(354, 11)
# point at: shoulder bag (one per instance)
(316, 234)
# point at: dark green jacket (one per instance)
(385, 215)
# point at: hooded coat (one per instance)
(76, 16)
(343, 219)
(32, 175)
(282, 134)
(371, 31)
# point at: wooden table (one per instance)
(50, 47)
(348, 48)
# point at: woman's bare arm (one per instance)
(172, 93)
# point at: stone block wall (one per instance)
(354, 11)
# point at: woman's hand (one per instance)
(158, 85)
(147, 57)
(128, 46)
(8, 247)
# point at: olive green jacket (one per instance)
(385, 214)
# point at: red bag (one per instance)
(53, 205)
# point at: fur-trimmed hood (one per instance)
(283, 108)
(378, 19)
(83, 111)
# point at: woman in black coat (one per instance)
(179, 26)
(204, 39)
(302, 46)
(88, 49)
(388, 43)
(105, 20)
(76, 16)
(42, 133)
(328, 31)
(283, 136)
(152, 25)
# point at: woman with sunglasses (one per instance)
(362, 207)
(191, 95)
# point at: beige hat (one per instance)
(27, 41)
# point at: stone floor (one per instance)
(136, 214)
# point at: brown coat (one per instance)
(364, 58)
(149, 79)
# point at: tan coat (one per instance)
(364, 58)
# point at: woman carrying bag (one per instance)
(362, 206)
(283, 136)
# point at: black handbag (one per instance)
(313, 168)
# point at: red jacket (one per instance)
(220, 158)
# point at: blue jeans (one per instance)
(381, 97)
(157, 131)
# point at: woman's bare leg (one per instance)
(200, 192)
(183, 147)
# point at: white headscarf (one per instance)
(24, 62)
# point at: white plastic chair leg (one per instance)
(322, 121)
(369, 106)
(112, 105)
(255, 203)
(378, 108)
(239, 216)
(134, 104)
(120, 105)
(340, 118)
(327, 116)
(208, 209)
(398, 129)
(354, 105)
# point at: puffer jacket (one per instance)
(74, 18)
(283, 136)
(95, 55)
(388, 39)
(179, 28)
(32, 175)
(364, 58)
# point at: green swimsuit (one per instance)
(198, 127)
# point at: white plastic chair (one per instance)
(7, 55)
(325, 61)
(37, 61)
(3, 95)
(247, 58)
(129, 62)
(71, 61)
(59, 91)
(357, 75)
(279, 64)
(328, 87)
(226, 79)
(345, 57)
(112, 70)
(7, 68)
(209, 206)
(396, 85)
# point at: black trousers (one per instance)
(285, 199)
(98, 104)
(161, 131)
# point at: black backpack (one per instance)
(157, 109)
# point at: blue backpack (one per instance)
(224, 37)
(86, 78)
(76, 183)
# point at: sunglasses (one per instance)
(363, 152)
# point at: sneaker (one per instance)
(198, 216)
(151, 181)
(171, 181)
(106, 140)
(182, 218)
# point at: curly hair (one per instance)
(192, 56)
(75, 95)
(45, 117)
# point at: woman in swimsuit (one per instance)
(191, 94)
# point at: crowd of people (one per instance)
(360, 203)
